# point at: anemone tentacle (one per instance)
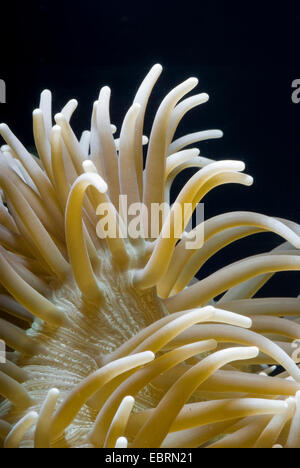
(111, 340)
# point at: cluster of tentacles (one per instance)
(110, 341)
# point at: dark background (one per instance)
(245, 57)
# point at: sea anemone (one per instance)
(111, 340)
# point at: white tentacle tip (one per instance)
(148, 355)
(247, 322)
(209, 307)
(135, 108)
(89, 167)
(121, 443)
(37, 112)
(46, 92)
(240, 166)
(59, 117)
(4, 127)
(54, 392)
(97, 180)
(105, 91)
(56, 129)
(193, 81)
(249, 180)
(212, 343)
(129, 400)
(157, 67)
(74, 102)
(243, 322)
(252, 352)
(145, 140)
